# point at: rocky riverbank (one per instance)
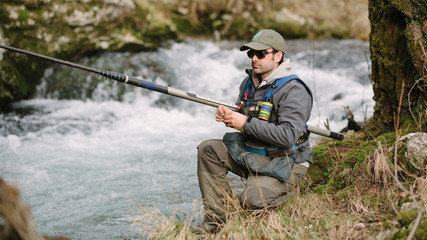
(68, 29)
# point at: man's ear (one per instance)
(278, 56)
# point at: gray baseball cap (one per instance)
(264, 39)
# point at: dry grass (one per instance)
(367, 206)
(378, 164)
(309, 216)
(422, 191)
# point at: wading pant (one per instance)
(214, 162)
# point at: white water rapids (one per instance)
(84, 151)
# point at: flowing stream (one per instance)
(89, 155)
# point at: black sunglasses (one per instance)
(259, 54)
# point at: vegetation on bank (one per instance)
(348, 194)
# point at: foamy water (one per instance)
(85, 151)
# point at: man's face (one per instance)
(264, 62)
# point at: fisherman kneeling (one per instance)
(272, 151)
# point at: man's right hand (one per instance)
(220, 113)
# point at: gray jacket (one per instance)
(292, 105)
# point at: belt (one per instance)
(282, 152)
(259, 148)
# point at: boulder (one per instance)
(68, 29)
(416, 149)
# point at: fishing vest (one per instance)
(262, 108)
(255, 155)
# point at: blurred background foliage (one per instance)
(69, 29)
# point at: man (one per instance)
(272, 151)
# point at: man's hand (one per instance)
(220, 113)
(230, 118)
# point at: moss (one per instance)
(387, 139)
(374, 202)
(392, 63)
(345, 192)
(340, 33)
(402, 6)
(326, 188)
(160, 33)
(335, 163)
(321, 154)
(241, 29)
(317, 175)
(184, 26)
(4, 13)
(16, 82)
(291, 30)
(23, 15)
(407, 217)
(387, 222)
(420, 233)
(359, 153)
(338, 165)
(319, 171)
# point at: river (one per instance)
(88, 154)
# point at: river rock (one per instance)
(68, 29)
(408, 206)
(54, 26)
(416, 149)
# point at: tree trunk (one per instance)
(398, 55)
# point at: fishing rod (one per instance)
(119, 77)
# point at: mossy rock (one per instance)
(420, 233)
(14, 75)
(68, 30)
(407, 217)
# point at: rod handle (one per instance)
(326, 133)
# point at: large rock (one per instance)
(417, 149)
(65, 29)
